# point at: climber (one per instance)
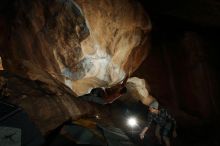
(165, 123)
(106, 95)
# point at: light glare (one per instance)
(132, 121)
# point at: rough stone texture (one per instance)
(1, 67)
(137, 90)
(118, 37)
(45, 45)
(51, 103)
(83, 44)
(48, 105)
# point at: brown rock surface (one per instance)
(1, 67)
(45, 45)
(48, 105)
(74, 41)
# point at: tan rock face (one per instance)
(118, 40)
(137, 90)
(83, 44)
(1, 67)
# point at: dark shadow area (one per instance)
(182, 67)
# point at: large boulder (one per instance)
(83, 44)
(46, 46)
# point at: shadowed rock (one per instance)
(53, 51)
(74, 40)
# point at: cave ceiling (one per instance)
(53, 51)
(82, 44)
